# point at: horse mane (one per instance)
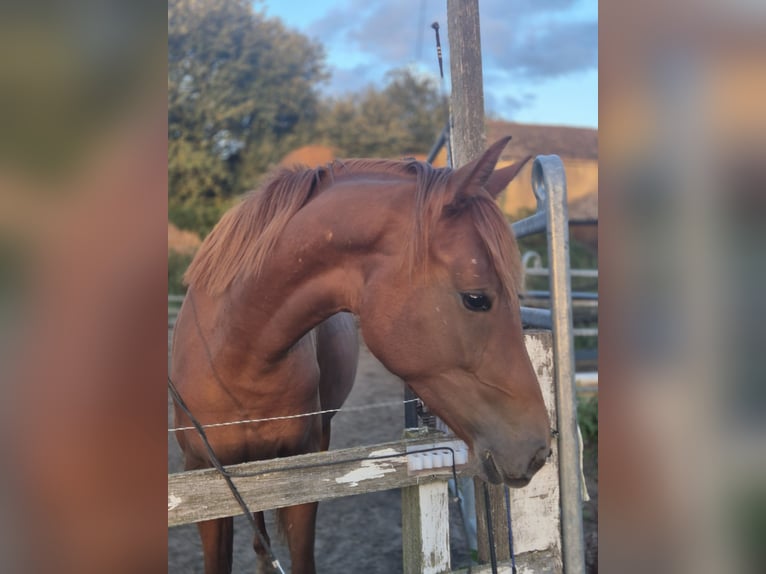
(240, 243)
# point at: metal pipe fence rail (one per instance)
(551, 217)
(584, 310)
(584, 304)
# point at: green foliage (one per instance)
(177, 264)
(587, 417)
(241, 92)
(198, 216)
(582, 343)
(404, 118)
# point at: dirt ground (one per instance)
(354, 534)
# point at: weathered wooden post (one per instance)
(425, 528)
(467, 96)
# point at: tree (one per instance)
(241, 93)
(402, 119)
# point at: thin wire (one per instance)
(288, 417)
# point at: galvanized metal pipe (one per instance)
(587, 382)
(536, 318)
(585, 332)
(549, 186)
(529, 225)
(544, 272)
(579, 296)
(438, 145)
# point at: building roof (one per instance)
(532, 139)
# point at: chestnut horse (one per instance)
(426, 261)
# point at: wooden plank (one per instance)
(425, 529)
(499, 521)
(535, 509)
(202, 495)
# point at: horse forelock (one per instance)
(499, 243)
(434, 201)
(240, 243)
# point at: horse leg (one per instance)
(324, 444)
(217, 535)
(263, 564)
(217, 541)
(298, 524)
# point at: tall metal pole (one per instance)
(549, 182)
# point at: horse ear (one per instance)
(500, 178)
(475, 175)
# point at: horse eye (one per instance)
(476, 302)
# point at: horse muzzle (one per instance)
(516, 472)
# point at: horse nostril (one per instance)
(539, 460)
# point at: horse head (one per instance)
(450, 325)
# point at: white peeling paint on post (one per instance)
(535, 509)
(434, 512)
(173, 501)
(369, 470)
(541, 354)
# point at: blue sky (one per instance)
(540, 57)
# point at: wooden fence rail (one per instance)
(203, 495)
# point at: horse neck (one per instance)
(321, 263)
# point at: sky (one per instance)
(540, 57)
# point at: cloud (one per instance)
(354, 79)
(384, 29)
(333, 25)
(515, 9)
(547, 50)
(390, 31)
(507, 106)
(529, 39)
